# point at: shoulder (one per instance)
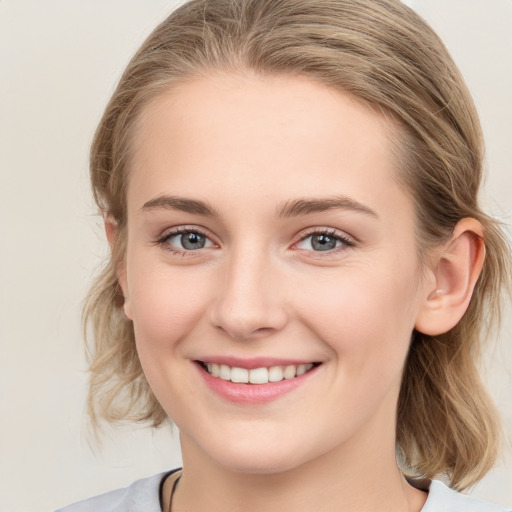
(141, 495)
(443, 499)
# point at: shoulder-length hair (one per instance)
(385, 55)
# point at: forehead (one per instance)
(260, 134)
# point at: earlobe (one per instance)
(456, 271)
(111, 231)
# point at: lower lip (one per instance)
(252, 393)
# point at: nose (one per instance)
(251, 297)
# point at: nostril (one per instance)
(243, 332)
(243, 313)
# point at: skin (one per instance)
(247, 145)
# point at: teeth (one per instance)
(240, 375)
(290, 372)
(301, 369)
(257, 375)
(225, 372)
(275, 374)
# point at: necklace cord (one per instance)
(172, 493)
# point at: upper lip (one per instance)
(253, 362)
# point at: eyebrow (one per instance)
(180, 203)
(292, 208)
(308, 206)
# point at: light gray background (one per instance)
(60, 60)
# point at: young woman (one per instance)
(300, 271)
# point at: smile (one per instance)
(256, 375)
(254, 381)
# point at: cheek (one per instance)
(366, 316)
(165, 305)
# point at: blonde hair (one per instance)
(384, 54)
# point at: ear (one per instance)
(456, 269)
(112, 232)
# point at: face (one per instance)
(270, 241)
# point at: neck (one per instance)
(341, 476)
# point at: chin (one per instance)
(257, 456)
(263, 465)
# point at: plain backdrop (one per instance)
(59, 63)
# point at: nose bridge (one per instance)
(249, 300)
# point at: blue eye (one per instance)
(320, 242)
(186, 240)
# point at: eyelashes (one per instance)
(328, 240)
(184, 241)
(190, 241)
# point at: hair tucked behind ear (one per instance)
(381, 52)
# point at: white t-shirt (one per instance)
(144, 496)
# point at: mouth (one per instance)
(256, 376)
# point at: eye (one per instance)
(185, 240)
(323, 241)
